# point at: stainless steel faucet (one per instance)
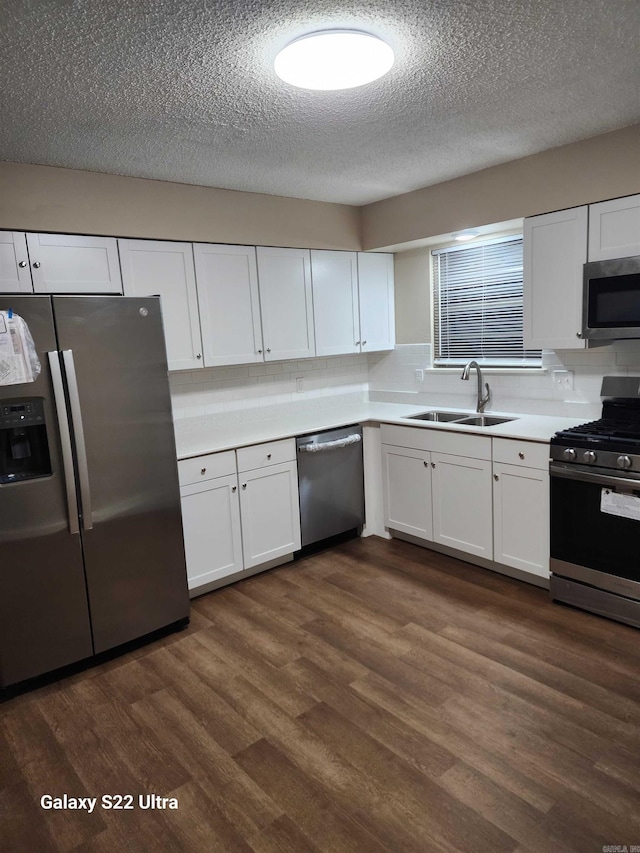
(482, 401)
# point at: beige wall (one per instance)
(413, 297)
(605, 166)
(43, 198)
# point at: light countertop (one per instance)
(213, 433)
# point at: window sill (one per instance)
(493, 371)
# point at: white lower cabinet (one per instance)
(239, 510)
(461, 492)
(437, 487)
(210, 517)
(407, 490)
(521, 505)
(270, 513)
(488, 498)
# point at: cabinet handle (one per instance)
(203, 470)
(244, 485)
(496, 478)
(268, 456)
(260, 352)
(521, 455)
(199, 355)
(22, 264)
(37, 265)
(234, 488)
(578, 334)
(433, 464)
(425, 463)
(357, 343)
(364, 343)
(268, 349)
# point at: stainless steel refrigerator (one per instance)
(91, 547)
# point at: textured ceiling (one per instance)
(183, 90)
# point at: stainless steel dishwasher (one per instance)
(331, 481)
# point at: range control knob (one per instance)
(623, 462)
(569, 454)
(589, 456)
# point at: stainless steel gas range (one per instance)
(595, 507)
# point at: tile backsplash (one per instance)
(250, 389)
(568, 385)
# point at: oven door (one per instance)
(595, 528)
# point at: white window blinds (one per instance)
(478, 306)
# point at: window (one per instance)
(478, 306)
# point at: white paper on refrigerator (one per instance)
(19, 362)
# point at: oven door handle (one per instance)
(568, 473)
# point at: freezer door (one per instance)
(44, 617)
(116, 369)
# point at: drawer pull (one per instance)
(203, 470)
(521, 455)
(268, 456)
(244, 485)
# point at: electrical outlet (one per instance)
(419, 375)
(300, 384)
(563, 379)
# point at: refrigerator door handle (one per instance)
(78, 431)
(65, 440)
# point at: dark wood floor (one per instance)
(374, 697)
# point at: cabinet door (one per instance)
(462, 506)
(165, 269)
(406, 478)
(284, 277)
(376, 298)
(270, 513)
(227, 284)
(334, 277)
(211, 524)
(68, 263)
(521, 518)
(15, 275)
(614, 228)
(554, 252)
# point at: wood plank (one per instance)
(374, 697)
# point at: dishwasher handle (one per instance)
(321, 446)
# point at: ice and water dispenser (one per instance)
(24, 451)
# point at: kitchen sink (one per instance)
(484, 420)
(443, 417)
(460, 418)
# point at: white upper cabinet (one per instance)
(335, 302)
(69, 263)
(227, 283)
(377, 314)
(555, 250)
(286, 303)
(15, 275)
(614, 228)
(165, 269)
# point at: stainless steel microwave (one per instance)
(611, 299)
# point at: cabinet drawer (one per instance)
(262, 455)
(528, 454)
(207, 467)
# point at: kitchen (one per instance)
(331, 686)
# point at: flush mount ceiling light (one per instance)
(333, 59)
(469, 234)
